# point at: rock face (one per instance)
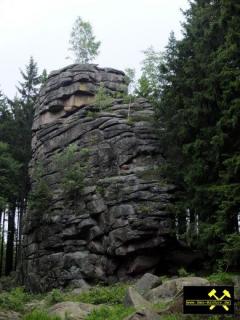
(96, 165)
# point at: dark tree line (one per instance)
(16, 117)
(199, 106)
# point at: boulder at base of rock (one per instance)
(171, 288)
(73, 310)
(80, 286)
(236, 282)
(174, 307)
(9, 315)
(147, 282)
(144, 315)
(134, 299)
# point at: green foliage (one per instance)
(108, 295)
(231, 250)
(73, 171)
(130, 75)
(14, 300)
(128, 98)
(173, 317)
(44, 76)
(182, 272)
(92, 114)
(140, 117)
(130, 121)
(55, 296)
(40, 195)
(118, 312)
(160, 306)
(29, 88)
(144, 208)
(198, 107)
(149, 84)
(102, 99)
(221, 278)
(150, 174)
(101, 190)
(9, 170)
(82, 42)
(16, 117)
(40, 315)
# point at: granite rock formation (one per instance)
(105, 213)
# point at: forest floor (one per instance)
(121, 301)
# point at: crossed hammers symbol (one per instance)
(213, 294)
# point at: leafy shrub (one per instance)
(14, 300)
(40, 195)
(104, 295)
(54, 296)
(118, 312)
(72, 181)
(8, 283)
(73, 172)
(40, 315)
(182, 272)
(102, 99)
(221, 278)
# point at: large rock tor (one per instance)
(118, 225)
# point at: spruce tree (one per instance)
(16, 117)
(199, 107)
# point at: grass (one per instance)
(40, 315)
(117, 312)
(14, 299)
(194, 317)
(160, 306)
(55, 296)
(110, 295)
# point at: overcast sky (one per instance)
(42, 28)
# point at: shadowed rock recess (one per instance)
(112, 223)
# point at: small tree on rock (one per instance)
(82, 42)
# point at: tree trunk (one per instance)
(2, 243)
(10, 241)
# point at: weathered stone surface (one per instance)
(9, 315)
(147, 282)
(170, 288)
(144, 315)
(73, 310)
(80, 286)
(236, 283)
(119, 225)
(134, 299)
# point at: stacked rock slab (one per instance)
(119, 224)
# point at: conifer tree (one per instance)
(16, 117)
(199, 107)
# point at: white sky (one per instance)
(42, 29)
